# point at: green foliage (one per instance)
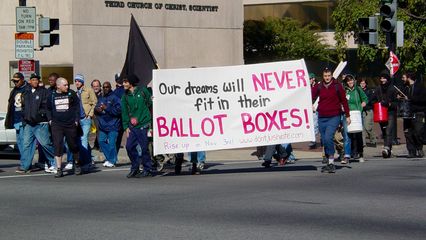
(412, 55)
(282, 39)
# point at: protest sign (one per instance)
(231, 107)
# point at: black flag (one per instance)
(139, 59)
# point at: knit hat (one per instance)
(118, 79)
(79, 77)
(132, 79)
(385, 74)
(311, 75)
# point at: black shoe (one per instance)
(266, 164)
(147, 174)
(178, 165)
(59, 173)
(420, 153)
(324, 160)
(77, 170)
(134, 173)
(386, 153)
(329, 168)
(22, 171)
(194, 169)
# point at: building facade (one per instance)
(94, 36)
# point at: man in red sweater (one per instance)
(332, 97)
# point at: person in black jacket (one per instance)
(414, 93)
(64, 116)
(386, 94)
(35, 125)
(14, 114)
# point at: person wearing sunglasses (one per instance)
(14, 116)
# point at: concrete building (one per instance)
(94, 35)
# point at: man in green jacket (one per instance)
(136, 116)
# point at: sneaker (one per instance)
(345, 160)
(361, 159)
(46, 166)
(69, 166)
(291, 161)
(386, 152)
(282, 161)
(22, 171)
(52, 169)
(147, 174)
(420, 153)
(201, 165)
(77, 170)
(59, 173)
(329, 168)
(134, 174)
(108, 164)
(266, 164)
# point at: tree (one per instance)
(413, 13)
(275, 39)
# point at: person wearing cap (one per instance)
(108, 114)
(64, 115)
(14, 115)
(414, 93)
(36, 126)
(386, 94)
(137, 118)
(119, 92)
(88, 102)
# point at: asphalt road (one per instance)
(378, 199)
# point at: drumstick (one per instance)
(400, 91)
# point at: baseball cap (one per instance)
(17, 76)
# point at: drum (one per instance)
(380, 113)
(405, 109)
(356, 122)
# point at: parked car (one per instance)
(7, 136)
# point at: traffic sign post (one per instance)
(26, 19)
(393, 64)
(24, 45)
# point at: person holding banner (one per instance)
(137, 118)
(414, 93)
(356, 101)
(386, 95)
(332, 97)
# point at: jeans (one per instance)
(19, 137)
(138, 136)
(346, 140)
(201, 157)
(39, 132)
(107, 142)
(85, 151)
(327, 127)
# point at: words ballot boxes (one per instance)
(231, 107)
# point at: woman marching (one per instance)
(356, 100)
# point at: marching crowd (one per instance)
(58, 119)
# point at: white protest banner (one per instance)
(231, 107)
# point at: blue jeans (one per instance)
(327, 128)
(346, 138)
(201, 157)
(19, 137)
(39, 132)
(138, 136)
(107, 142)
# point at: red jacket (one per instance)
(330, 104)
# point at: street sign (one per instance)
(25, 19)
(26, 67)
(24, 45)
(393, 63)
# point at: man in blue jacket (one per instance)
(108, 113)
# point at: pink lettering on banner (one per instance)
(277, 120)
(176, 126)
(263, 81)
